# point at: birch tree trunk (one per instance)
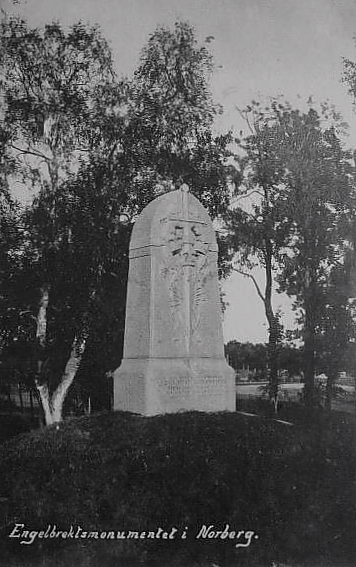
(41, 326)
(46, 402)
(332, 377)
(53, 404)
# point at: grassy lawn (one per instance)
(289, 491)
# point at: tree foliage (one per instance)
(169, 137)
(257, 226)
(298, 157)
(96, 149)
(318, 177)
(60, 94)
(170, 89)
(53, 82)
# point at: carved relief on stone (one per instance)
(185, 267)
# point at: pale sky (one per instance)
(261, 48)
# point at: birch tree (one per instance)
(55, 86)
(88, 144)
(169, 138)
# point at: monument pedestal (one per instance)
(164, 385)
(173, 349)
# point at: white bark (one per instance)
(73, 363)
(41, 327)
(42, 317)
(53, 405)
(46, 402)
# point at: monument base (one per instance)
(168, 385)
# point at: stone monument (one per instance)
(173, 350)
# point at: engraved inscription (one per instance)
(181, 386)
(176, 386)
(212, 385)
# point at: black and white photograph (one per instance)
(177, 283)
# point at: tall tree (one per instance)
(349, 77)
(317, 177)
(300, 158)
(258, 229)
(55, 87)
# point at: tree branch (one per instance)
(258, 289)
(31, 152)
(246, 195)
(244, 116)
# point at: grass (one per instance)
(294, 487)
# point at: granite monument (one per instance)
(173, 350)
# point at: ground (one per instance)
(293, 487)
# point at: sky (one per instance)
(261, 49)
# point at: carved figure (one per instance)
(185, 267)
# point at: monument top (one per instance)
(177, 213)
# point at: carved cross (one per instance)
(185, 241)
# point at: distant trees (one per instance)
(254, 357)
(247, 355)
